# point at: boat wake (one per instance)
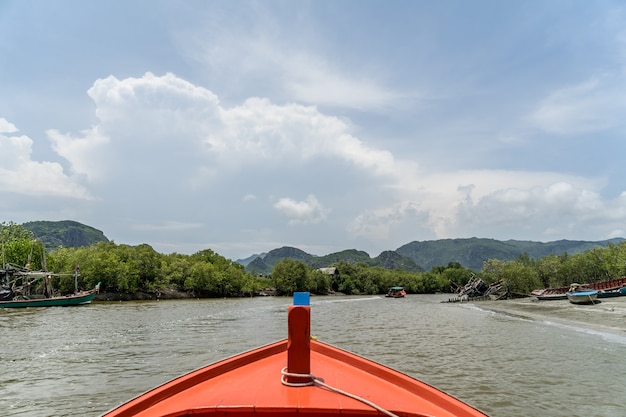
(345, 300)
(608, 334)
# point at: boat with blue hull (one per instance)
(617, 292)
(582, 297)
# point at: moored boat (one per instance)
(551, 293)
(15, 290)
(616, 292)
(295, 376)
(396, 292)
(582, 297)
(75, 299)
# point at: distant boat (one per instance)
(582, 297)
(298, 376)
(396, 292)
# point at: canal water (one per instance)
(86, 360)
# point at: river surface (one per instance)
(68, 361)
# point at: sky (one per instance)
(245, 126)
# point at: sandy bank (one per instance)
(607, 314)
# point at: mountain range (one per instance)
(415, 256)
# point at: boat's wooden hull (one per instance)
(81, 298)
(611, 284)
(555, 296)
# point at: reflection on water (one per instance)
(86, 360)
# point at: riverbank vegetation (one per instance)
(129, 269)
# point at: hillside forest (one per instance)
(140, 269)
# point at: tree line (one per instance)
(128, 269)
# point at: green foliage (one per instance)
(525, 274)
(363, 279)
(319, 282)
(174, 269)
(290, 276)
(12, 231)
(20, 248)
(127, 269)
(521, 275)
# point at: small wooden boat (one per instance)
(16, 283)
(582, 297)
(78, 298)
(615, 292)
(551, 293)
(396, 292)
(292, 377)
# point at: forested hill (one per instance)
(264, 264)
(66, 233)
(471, 253)
(423, 256)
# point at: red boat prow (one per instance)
(271, 381)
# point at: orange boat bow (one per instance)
(252, 383)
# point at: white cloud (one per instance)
(594, 105)
(290, 72)
(86, 152)
(490, 203)
(308, 211)
(311, 80)
(6, 127)
(184, 125)
(387, 222)
(546, 210)
(249, 197)
(19, 174)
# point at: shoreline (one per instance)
(607, 314)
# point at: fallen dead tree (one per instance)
(476, 289)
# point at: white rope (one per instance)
(315, 381)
